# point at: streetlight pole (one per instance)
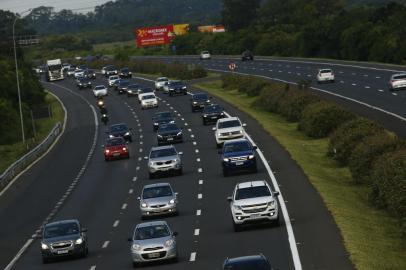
(18, 81)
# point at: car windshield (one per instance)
(212, 109)
(99, 87)
(133, 86)
(162, 115)
(237, 147)
(149, 232)
(176, 83)
(115, 142)
(163, 153)
(168, 127)
(118, 128)
(400, 77)
(61, 229)
(78, 71)
(124, 70)
(109, 68)
(250, 264)
(325, 71)
(156, 192)
(147, 90)
(162, 80)
(124, 83)
(114, 78)
(229, 124)
(205, 52)
(84, 80)
(200, 97)
(252, 192)
(148, 97)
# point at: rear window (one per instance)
(200, 97)
(400, 77)
(248, 265)
(162, 80)
(324, 71)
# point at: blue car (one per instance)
(238, 155)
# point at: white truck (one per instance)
(54, 70)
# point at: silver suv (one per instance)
(227, 129)
(158, 199)
(164, 159)
(253, 202)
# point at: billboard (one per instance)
(211, 29)
(159, 35)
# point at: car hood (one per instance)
(151, 243)
(167, 132)
(164, 158)
(71, 237)
(238, 154)
(231, 129)
(158, 200)
(252, 201)
(148, 100)
(163, 120)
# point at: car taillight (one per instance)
(107, 151)
(124, 149)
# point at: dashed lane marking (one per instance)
(197, 232)
(192, 257)
(124, 206)
(115, 224)
(198, 212)
(201, 182)
(200, 196)
(106, 244)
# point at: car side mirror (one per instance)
(244, 125)
(229, 199)
(276, 193)
(175, 234)
(129, 239)
(220, 152)
(84, 229)
(180, 153)
(214, 129)
(255, 147)
(138, 198)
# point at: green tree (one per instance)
(239, 14)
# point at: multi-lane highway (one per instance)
(74, 181)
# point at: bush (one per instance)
(270, 97)
(294, 102)
(320, 118)
(251, 85)
(345, 139)
(361, 159)
(230, 81)
(389, 184)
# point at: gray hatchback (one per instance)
(164, 159)
(158, 199)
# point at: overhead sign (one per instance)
(211, 29)
(159, 35)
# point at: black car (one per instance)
(169, 133)
(132, 89)
(177, 87)
(89, 73)
(247, 56)
(63, 238)
(110, 70)
(84, 82)
(82, 67)
(120, 130)
(160, 118)
(257, 262)
(123, 86)
(116, 84)
(212, 113)
(199, 101)
(125, 73)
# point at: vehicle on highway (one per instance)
(148, 100)
(165, 88)
(54, 70)
(153, 241)
(71, 71)
(177, 87)
(78, 73)
(212, 113)
(63, 238)
(325, 75)
(144, 90)
(199, 101)
(120, 130)
(247, 55)
(100, 102)
(65, 67)
(238, 155)
(164, 159)
(228, 129)
(84, 82)
(204, 55)
(100, 91)
(111, 80)
(169, 133)
(82, 67)
(160, 82)
(115, 148)
(132, 89)
(104, 118)
(397, 82)
(110, 70)
(161, 118)
(89, 73)
(122, 86)
(158, 199)
(253, 202)
(257, 262)
(125, 73)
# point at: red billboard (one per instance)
(153, 36)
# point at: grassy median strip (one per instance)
(371, 236)
(10, 153)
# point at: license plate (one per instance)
(255, 216)
(170, 139)
(164, 169)
(239, 163)
(116, 154)
(62, 251)
(153, 255)
(213, 117)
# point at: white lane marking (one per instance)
(380, 90)
(192, 136)
(198, 212)
(394, 94)
(131, 191)
(200, 170)
(116, 223)
(106, 244)
(200, 196)
(124, 206)
(139, 158)
(194, 143)
(354, 84)
(192, 257)
(341, 81)
(201, 182)
(197, 151)
(183, 119)
(186, 124)
(271, 70)
(93, 267)
(198, 159)
(140, 150)
(367, 87)
(365, 75)
(189, 129)
(19, 253)
(134, 178)
(141, 142)
(197, 232)
(377, 77)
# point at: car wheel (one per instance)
(237, 227)
(225, 172)
(151, 175)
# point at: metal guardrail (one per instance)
(22, 163)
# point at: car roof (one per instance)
(398, 74)
(257, 183)
(156, 185)
(228, 119)
(66, 221)
(154, 148)
(152, 223)
(246, 258)
(236, 140)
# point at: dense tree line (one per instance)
(313, 28)
(32, 93)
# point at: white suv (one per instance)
(397, 82)
(228, 129)
(325, 75)
(160, 82)
(112, 79)
(100, 91)
(253, 202)
(148, 100)
(205, 55)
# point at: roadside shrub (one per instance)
(230, 81)
(294, 102)
(389, 183)
(251, 85)
(320, 118)
(364, 154)
(270, 98)
(344, 140)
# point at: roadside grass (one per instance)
(113, 45)
(10, 153)
(371, 236)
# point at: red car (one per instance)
(116, 148)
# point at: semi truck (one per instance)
(54, 70)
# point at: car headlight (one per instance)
(222, 113)
(226, 159)
(241, 132)
(237, 207)
(204, 115)
(172, 201)
(136, 247)
(159, 136)
(251, 156)
(144, 205)
(130, 91)
(104, 115)
(171, 122)
(179, 133)
(194, 102)
(171, 89)
(184, 87)
(111, 136)
(107, 151)
(44, 246)
(208, 100)
(127, 134)
(169, 243)
(150, 164)
(129, 72)
(271, 204)
(79, 241)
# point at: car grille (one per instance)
(230, 133)
(152, 248)
(243, 158)
(61, 245)
(158, 206)
(162, 163)
(254, 208)
(162, 254)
